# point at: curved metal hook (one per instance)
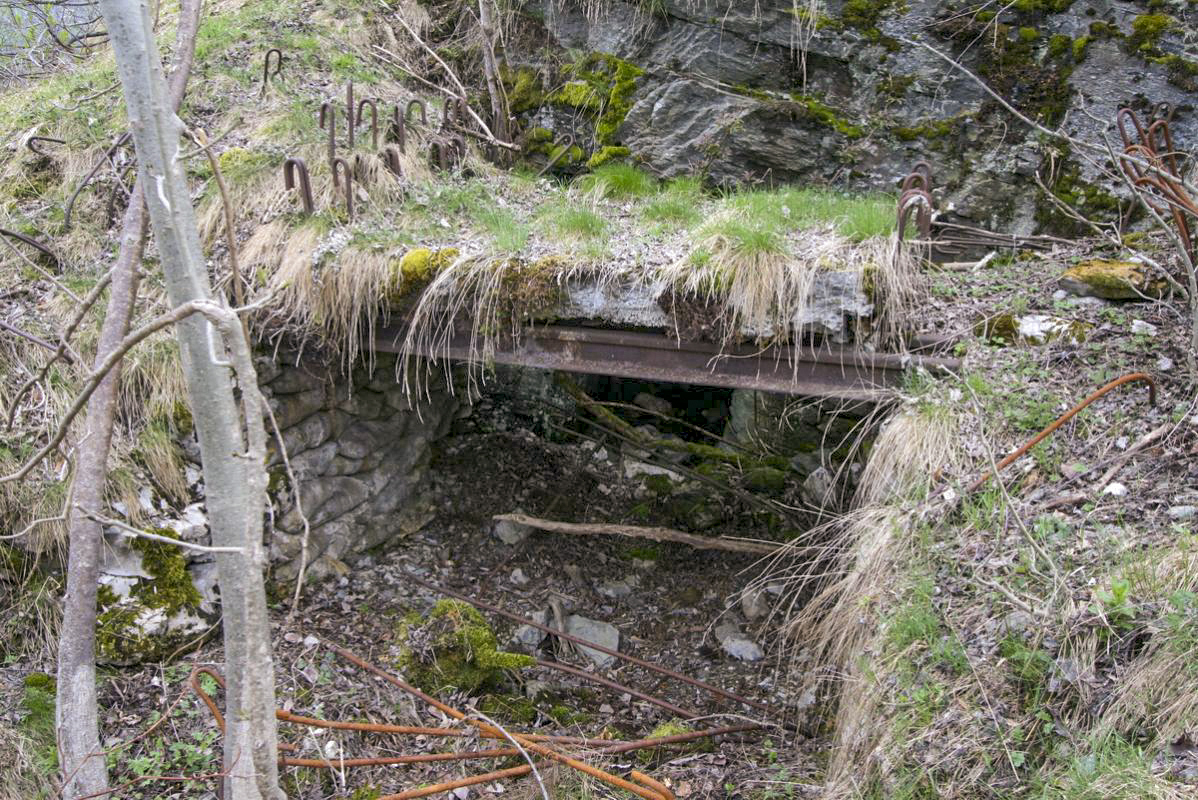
(1121, 118)
(347, 173)
(328, 116)
(30, 143)
(34, 243)
(920, 201)
(391, 156)
(266, 73)
(914, 178)
(398, 130)
(374, 120)
(423, 111)
(291, 168)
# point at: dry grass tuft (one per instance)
(913, 447)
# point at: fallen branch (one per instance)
(136, 533)
(639, 532)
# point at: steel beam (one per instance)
(825, 371)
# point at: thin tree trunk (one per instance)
(499, 110)
(234, 472)
(77, 719)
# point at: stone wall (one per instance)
(360, 452)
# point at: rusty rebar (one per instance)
(70, 206)
(374, 120)
(30, 143)
(418, 758)
(294, 168)
(266, 73)
(328, 115)
(678, 738)
(348, 175)
(391, 156)
(619, 687)
(398, 130)
(449, 786)
(370, 727)
(707, 687)
(1154, 145)
(919, 201)
(1061, 420)
(417, 103)
(34, 243)
(523, 741)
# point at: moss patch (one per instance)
(1112, 280)
(416, 269)
(37, 703)
(603, 86)
(453, 648)
(168, 591)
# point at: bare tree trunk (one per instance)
(77, 719)
(499, 109)
(234, 473)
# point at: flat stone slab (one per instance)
(836, 296)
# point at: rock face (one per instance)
(360, 452)
(743, 90)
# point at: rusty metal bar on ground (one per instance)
(266, 73)
(449, 786)
(825, 371)
(370, 727)
(1061, 420)
(652, 793)
(707, 687)
(382, 761)
(619, 687)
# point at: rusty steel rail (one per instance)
(1061, 420)
(825, 371)
(619, 687)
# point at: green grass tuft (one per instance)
(615, 180)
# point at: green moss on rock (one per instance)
(1112, 280)
(416, 269)
(37, 705)
(454, 648)
(121, 623)
(1146, 32)
(603, 86)
(608, 153)
(524, 89)
(765, 479)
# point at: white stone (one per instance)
(1115, 489)
(1182, 512)
(511, 533)
(736, 644)
(635, 469)
(1139, 326)
(518, 577)
(602, 633)
(1164, 363)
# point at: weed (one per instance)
(575, 222)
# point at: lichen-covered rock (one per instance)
(149, 604)
(1112, 280)
(453, 649)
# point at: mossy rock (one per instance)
(765, 479)
(1112, 280)
(603, 86)
(605, 154)
(453, 648)
(416, 269)
(158, 617)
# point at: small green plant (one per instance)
(1115, 605)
